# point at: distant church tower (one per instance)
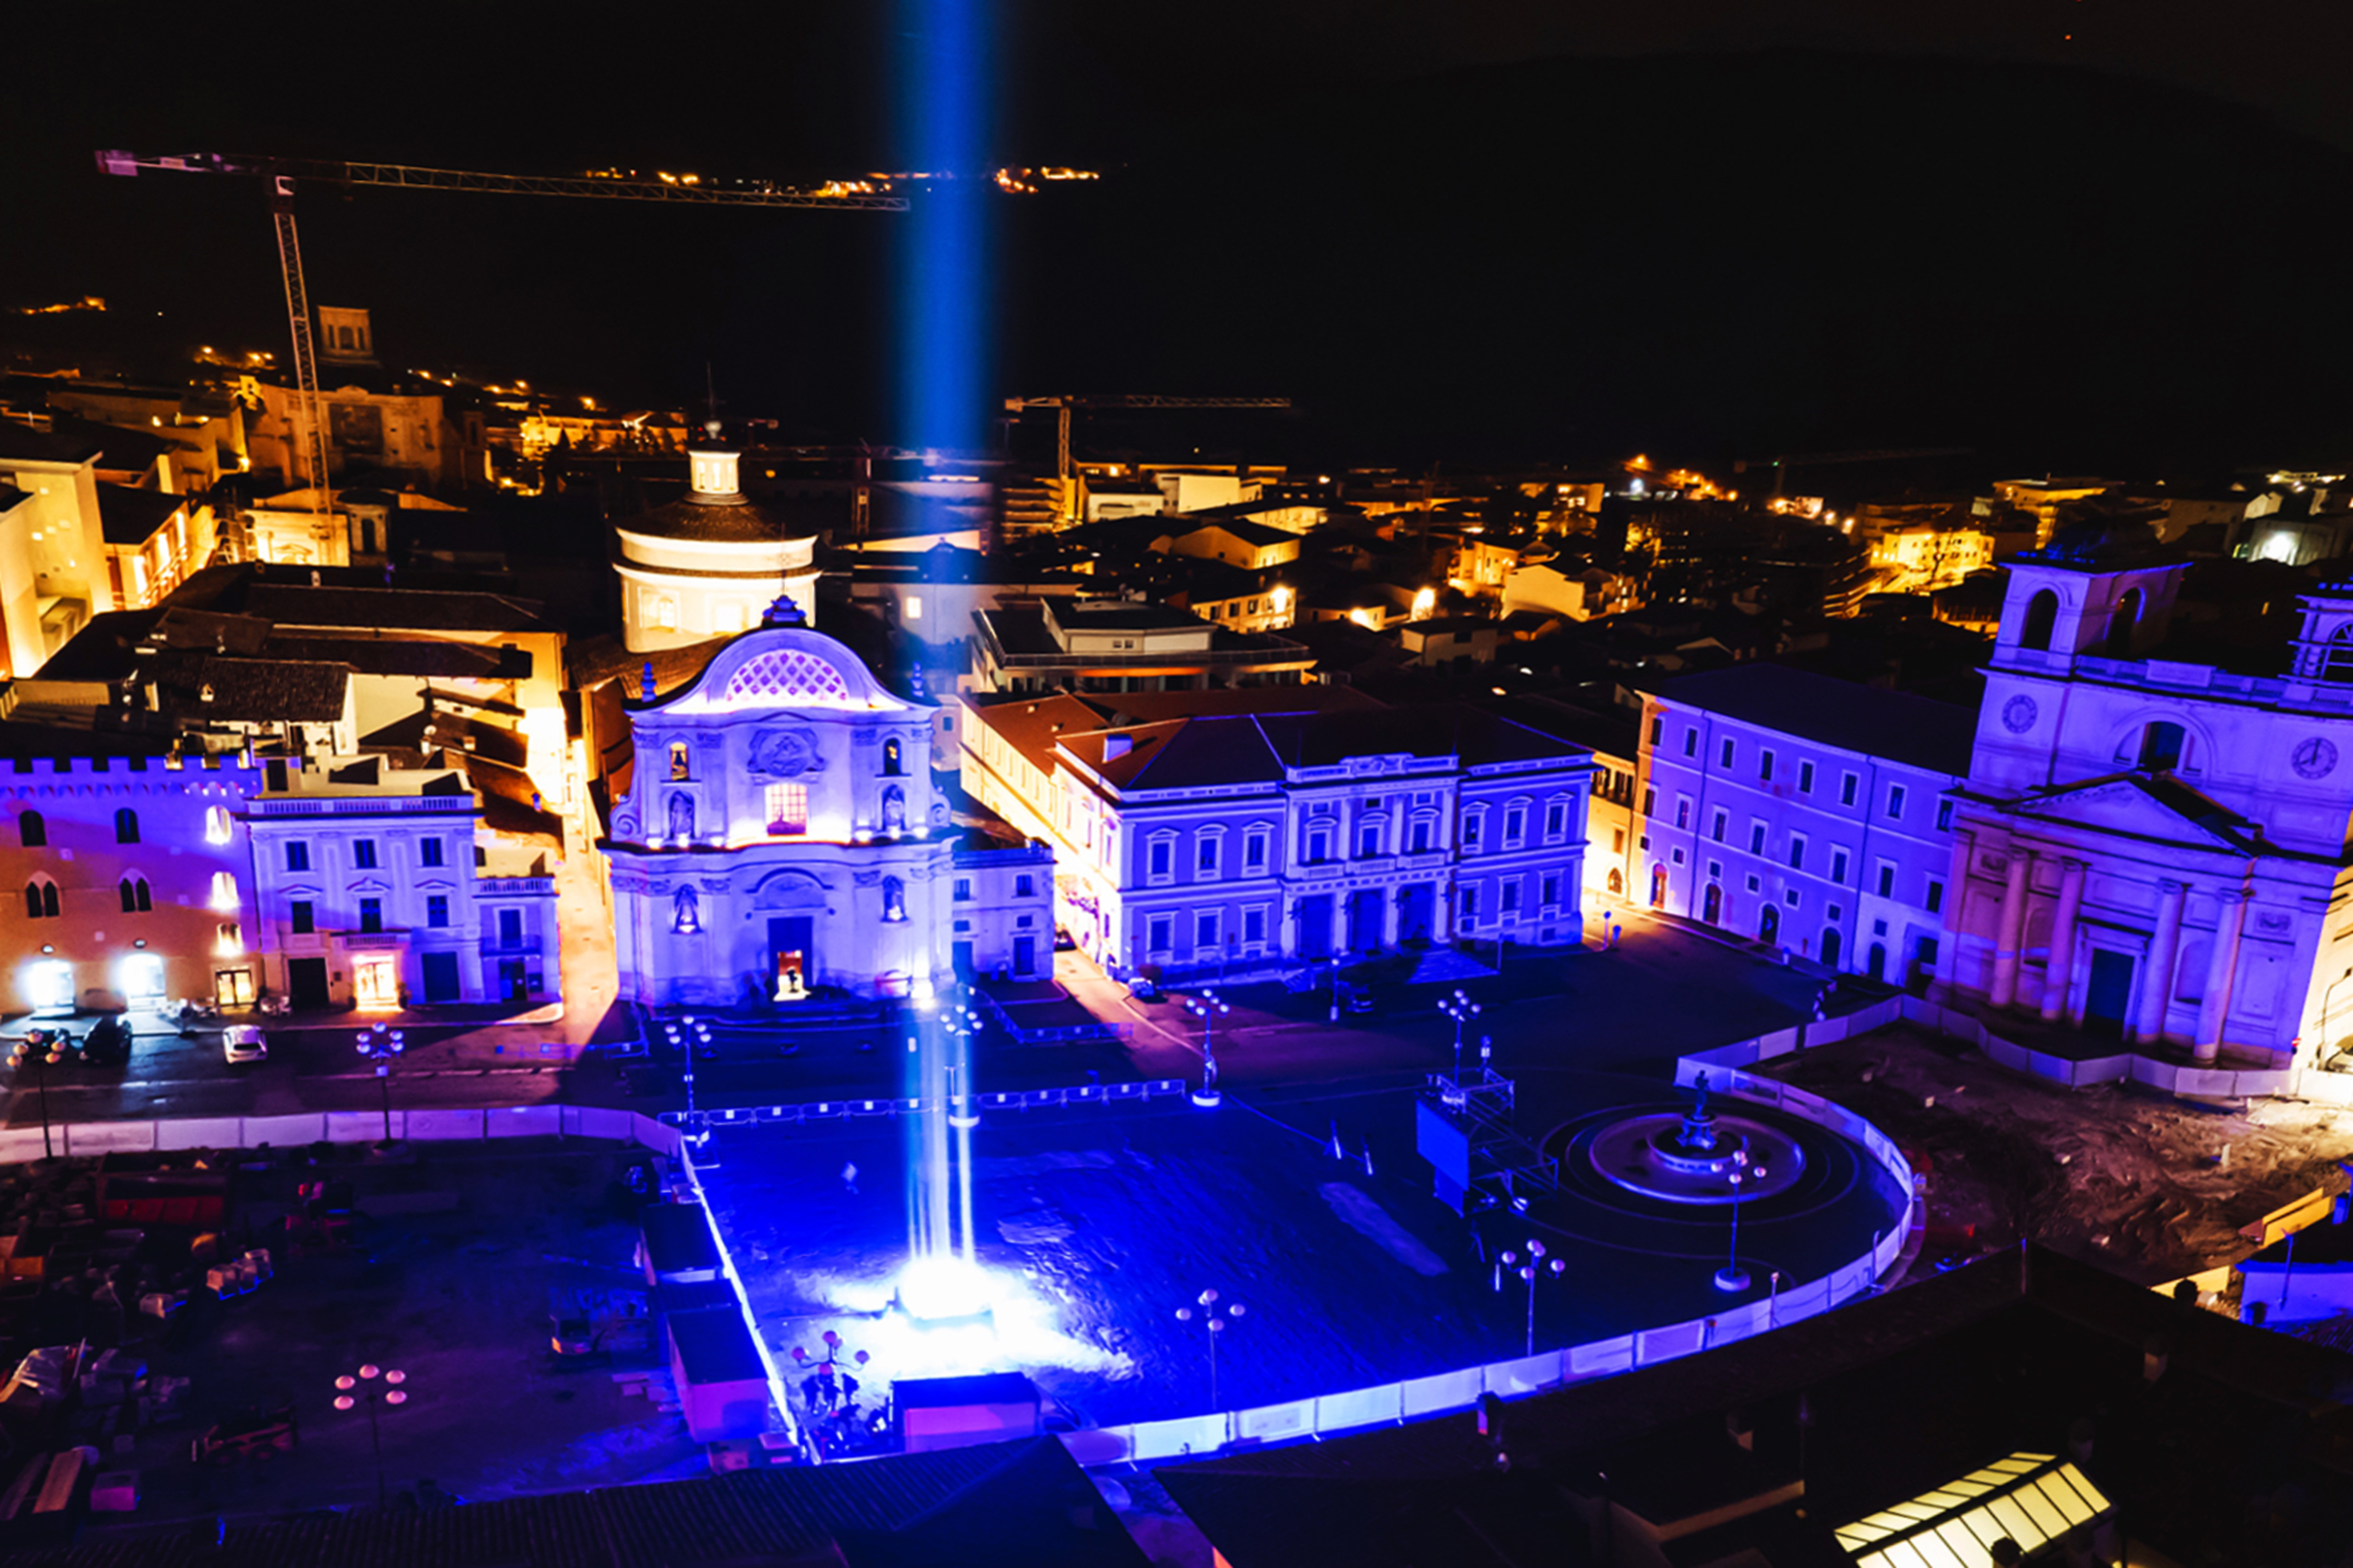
(709, 564)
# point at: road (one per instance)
(1663, 991)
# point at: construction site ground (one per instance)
(2147, 1187)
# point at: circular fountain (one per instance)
(1697, 1157)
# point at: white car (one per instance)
(244, 1043)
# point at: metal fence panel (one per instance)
(1526, 1375)
(1447, 1391)
(1274, 1423)
(1175, 1439)
(1357, 1407)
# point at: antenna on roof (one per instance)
(711, 393)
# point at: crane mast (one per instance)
(298, 317)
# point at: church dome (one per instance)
(715, 510)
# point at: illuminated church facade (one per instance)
(779, 837)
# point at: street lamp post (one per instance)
(1461, 1009)
(383, 1046)
(41, 1057)
(365, 1389)
(1531, 1270)
(1206, 1007)
(1214, 1318)
(1732, 1277)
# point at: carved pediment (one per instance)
(2132, 808)
(787, 891)
(785, 751)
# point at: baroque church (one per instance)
(2155, 850)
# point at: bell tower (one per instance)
(2323, 651)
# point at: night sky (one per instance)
(2070, 232)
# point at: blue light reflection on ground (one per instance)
(1095, 1226)
(943, 312)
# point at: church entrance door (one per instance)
(792, 955)
(2110, 991)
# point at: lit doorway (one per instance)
(233, 987)
(49, 985)
(143, 980)
(375, 982)
(792, 941)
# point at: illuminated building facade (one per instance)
(1191, 844)
(2150, 849)
(777, 835)
(53, 574)
(378, 889)
(1804, 811)
(708, 564)
(126, 876)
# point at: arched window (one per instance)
(223, 891)
(40, 898)
(126, 826)
(31, 830)
(895, 809)
(686, 912)
(2041, 620)
(216, 824)
(2123, 623)
(2335, 664)
(1768, 923)
(894, 900)
(894, 766)
(680, 761)
(2161, 746)
(136, 900)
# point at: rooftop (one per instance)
(1865, 720)
(129, 517)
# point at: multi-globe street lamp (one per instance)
(1461, 1009)
(372, 1386)
(1732, 1277)
(41, 1057)
(1531, 1270)
(1208, 1008)
(1214, 1313)
(382, 1045)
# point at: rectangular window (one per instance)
(1756, 839)
(962, 892)
(299, 917)
(1369, 841)
(1715, 827)
(1617, 841)
(1163, 934)
(370, 914)
(1886, 881)
(1895, 800)
(1422, 838)
(787, 810)
(1691, 742)
(1469, 905)
(429, 851)
(1469, 833)
(1515, 821)
(510, 928)
(1551, 892)
(1935, 896)
(1253, 925)
(1205, 930)
(1658, 727)
(1796, 852)
(298, 855)
(1254, 852)
(1804, 778)
(1753, 884)
(1163, 857)
(437, 910)
(1838, 867)
(1650, 802)
(1725, 760)
(1317, 848)
(1024, 886)
(1765, 764)
(1944, 816)
(1847, 786)
(364, 854)
(1207, 860)
(1556, 819)
(1683, 812)
(1511, 896)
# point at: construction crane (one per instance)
(283, 173)
(1066, 495)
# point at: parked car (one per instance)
(108, 1043)
(244, 1043)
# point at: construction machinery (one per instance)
(1066, 499)
(283, 173)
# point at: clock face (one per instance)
(2017, 715)
(2314, 758)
